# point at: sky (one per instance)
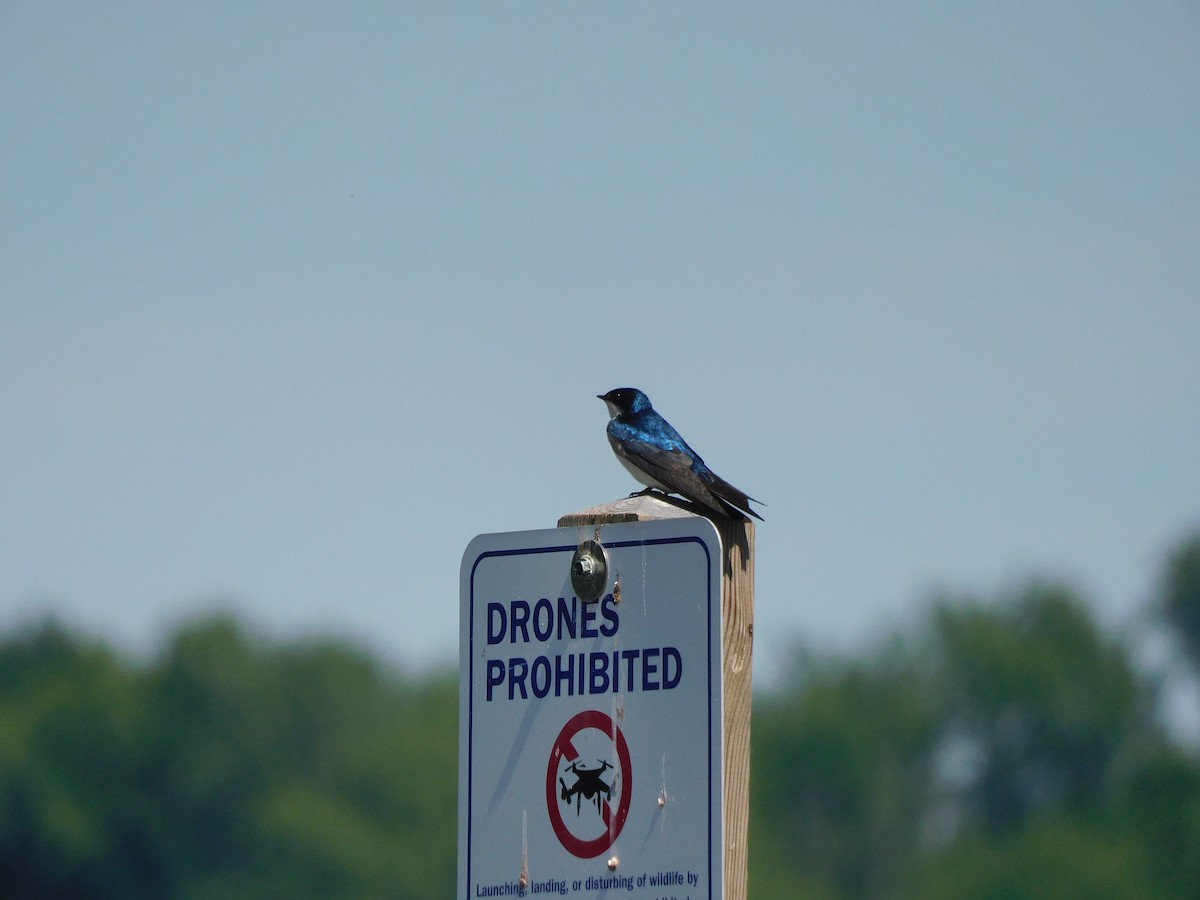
(298, 298)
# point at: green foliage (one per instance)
(1180, 596)
(1160, 803)
(1007, 749)
(839, 764)
(69, 791)
(1043, 700)
(230, 768)
(1053, 859)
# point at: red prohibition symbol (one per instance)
(589, 785)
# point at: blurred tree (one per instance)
(840, 771)
(1179, 596)
(1052, 859)
(1008, 751)
(72, 804)
(1160, 804)
(229, 768)
(1040, 698)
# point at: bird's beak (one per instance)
(599, 396)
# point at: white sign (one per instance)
(590, 744)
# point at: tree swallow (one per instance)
(658, 457)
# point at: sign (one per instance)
(590, 744)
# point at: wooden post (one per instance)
(737, 598)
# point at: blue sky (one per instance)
(299, 298)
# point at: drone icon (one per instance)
(587, 785)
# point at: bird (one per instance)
(656, 455)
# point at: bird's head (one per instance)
(625, 400)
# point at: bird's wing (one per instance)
(670, 468)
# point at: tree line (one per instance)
(1001, 747)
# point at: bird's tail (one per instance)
(736, 503)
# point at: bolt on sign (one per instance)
(590, 745)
